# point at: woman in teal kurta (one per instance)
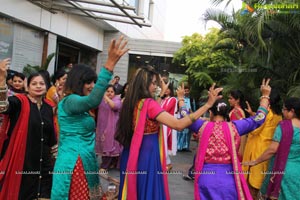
(282, 178)
(76, 149)
(290, 181)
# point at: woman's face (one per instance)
(62, 80)
(232, 101)
(153, 86)
(18, 83)
(87, 88)
(168, 92)
(110, 93)
(37, 87)
(287, 114)
(126, 88)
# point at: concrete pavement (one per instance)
(179, 189)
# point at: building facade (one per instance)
(79, 31)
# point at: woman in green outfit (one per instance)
(282, 178)
(75, 173)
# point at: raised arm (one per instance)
(78, 104)
(188, 119)
(246, 125)
(4, 65)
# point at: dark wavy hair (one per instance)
(20, 75)
(58, 74)
(138, 89)
(221, 108)
(111, 86)
(46, 76)
(79, 75)
(293, 103)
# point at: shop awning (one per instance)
(110, 10)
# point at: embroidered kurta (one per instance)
(147, 179)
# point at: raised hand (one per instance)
(180, 91)
(115, 51)
(164, 86)
(213, 95)
(4, 66)
(249, 109)
(265, 88)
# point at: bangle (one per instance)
(266, 97)
(263, 109)
(2, 88)
(192, 118)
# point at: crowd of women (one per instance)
(50, 137)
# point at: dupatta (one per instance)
(240, 182)
(13, 160)
(129, 190)
(280, 159)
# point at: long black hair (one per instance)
(138, 89)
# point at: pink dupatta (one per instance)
(241, 185)
(130, 182)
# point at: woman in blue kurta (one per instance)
(75, 172)
(143, 172)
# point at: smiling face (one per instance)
(37, 86)
(110, 93)
(62, 80)
(18, 83)
(88, 87)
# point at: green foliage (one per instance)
(204, 62)
(246, 49)
(29, 69)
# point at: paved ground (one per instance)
(179, 188)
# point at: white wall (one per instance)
(27, 47)
(73, 27)
(121, 68)
(155, 32)
(52, 44)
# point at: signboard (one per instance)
(6, 38)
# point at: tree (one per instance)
(270, 45)
(204, 63)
